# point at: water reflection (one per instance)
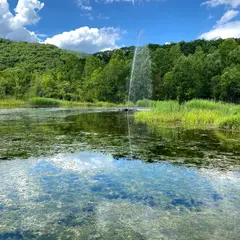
(94, 196)
(34, 133)
(67, 175)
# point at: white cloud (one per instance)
(230, 14)
(87, 39)
(87, 3)
(210, 17)
(228, 30)
(167, 43)
(14, 26)
(224, 28)
(87, 8)
(88, 15)
(102, 17)
(215, 3)
(26, 12)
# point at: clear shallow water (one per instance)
(66, 174)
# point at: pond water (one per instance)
(72, 174)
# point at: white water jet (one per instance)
(129, 91)
(133, 66)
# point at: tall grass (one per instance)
(200, 116)
(86, 104)
(231, 122)
(200, 113)
(50, 102)
(43, 102)
(159, 106)
(224, 108)
(9, 103)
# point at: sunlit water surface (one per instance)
(68, 174)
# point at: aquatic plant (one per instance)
(231, 122)
(43, 102)
(200, 113)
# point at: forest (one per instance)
(178, 71)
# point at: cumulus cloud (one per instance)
(215, 3)
(14, 26)
(27, 12)
(224, 28)
(230, 14)
(87, 39)
(230, 29)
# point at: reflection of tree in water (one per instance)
(107, 132)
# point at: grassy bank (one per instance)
(195, 113)
(50, 102)
(10, 103)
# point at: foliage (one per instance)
(184, 71)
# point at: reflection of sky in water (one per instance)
(93, 196)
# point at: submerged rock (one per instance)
(128, 110)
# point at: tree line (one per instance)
(177, 71)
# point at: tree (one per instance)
(230, 84)
(113, 79)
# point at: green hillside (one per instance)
(178, 71)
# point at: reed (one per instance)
(10, 103)
(43, 102)
(197, 113)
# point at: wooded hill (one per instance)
(183, 71)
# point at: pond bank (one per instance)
(50, 102)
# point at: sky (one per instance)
(97, 25)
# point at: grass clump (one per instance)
(43, 102)
(197, 113)
(200, 116)
(154, 117)
(224, 108)
(159, 106)
(231, 122)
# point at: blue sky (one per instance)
(91, 26)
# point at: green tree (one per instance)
(230, 84)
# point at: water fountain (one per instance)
(132, 74)
(140, 84)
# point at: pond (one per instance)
(96, 174)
